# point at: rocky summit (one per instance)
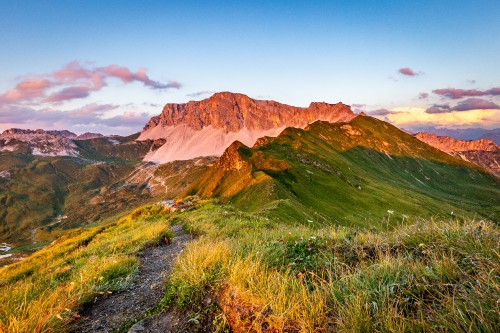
(482, 152)
(209, 126)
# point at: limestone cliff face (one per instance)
(209, 126)
(450, 145)
(232, 112)
(482, 152)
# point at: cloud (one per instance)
(466, 105)
(409, 117)
(127, 76)
(358, 105)
(475, 104)
(381, 112)
(69, 93)
(75, 81)
(439, 108)
(454, 93)
(423, 95)
(25, 90)
(200, 93)
(91, 116)
(407, 71)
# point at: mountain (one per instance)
(360, 172)
(39, 142)
(460, 134)
(209, 126)
(88, 135)
(493, 135)
(482, 152)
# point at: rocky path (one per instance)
(109, 313)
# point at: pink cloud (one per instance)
(68, 94)
(466, 105)
(75, 81)
(475, 104)
(127, 76)
(407, 71)
(72, 72)
(454, 93)
(423, 95)
(25, 90)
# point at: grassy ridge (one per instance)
(425, 275)
(360, 173)
(42, 292)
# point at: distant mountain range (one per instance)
(460, 134)
(482, 152)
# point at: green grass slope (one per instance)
(38, 190)
(365, 172)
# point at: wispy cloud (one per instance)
(381, 112)
(75, 81)
(423, 95)
(200, 93)
(454, 93)
(407, 71)
(466, 105)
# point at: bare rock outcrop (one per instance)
(482, 152)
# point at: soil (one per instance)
(110, 312)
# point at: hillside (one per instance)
(362, 173)
(74, 182)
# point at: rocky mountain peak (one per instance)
(482, 152)
(209, 126)
(232, 112)
(449, 144)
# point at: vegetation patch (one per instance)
(44, 292)
(424, 275)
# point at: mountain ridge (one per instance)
(342, 171)
(209, 126)
(482, 152)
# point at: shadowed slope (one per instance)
(364, 171)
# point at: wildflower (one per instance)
(299, 275)
(309, 249)
(390, 211)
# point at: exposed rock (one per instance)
(209, 126)
(232, 159)
(88, 136)
(482, 152)
(63, 133)
(39, 142)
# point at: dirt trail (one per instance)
(109, 313)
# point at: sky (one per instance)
(108, 66)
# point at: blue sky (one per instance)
(294, 52)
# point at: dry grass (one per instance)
(427, 276)
(42, 292)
